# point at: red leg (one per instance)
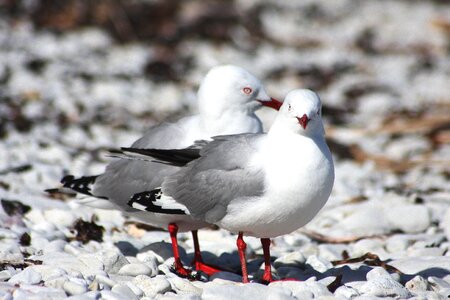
(267, 277)
(198, 260)
(241, 245)
(179, 269)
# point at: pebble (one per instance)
(214, 291)
(163, 250)
(183, 286)
(346, 292)
(103, 279)
(75, 286)
(109, 295)
(418, 218)
(226, 276)
(426, 266)
(137, 291)
(319, 264)
(11, 256)
(91, 295)
(151, 259)
(49, 272)
(112, 260)
(294, 259)
(124, 291)
(302, 289)
(438, 283)
(7, 274)
(136, 269)
(61, 218)
(381, 284)
(417, 285)
(152, 286)
(27, 276)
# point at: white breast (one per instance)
(299, 179)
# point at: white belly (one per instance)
(296, 190)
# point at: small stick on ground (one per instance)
(369, 259)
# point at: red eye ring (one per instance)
(247, 90)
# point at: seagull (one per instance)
(255, 184)
(227, 99)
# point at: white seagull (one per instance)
(261, 185)
(227, 99)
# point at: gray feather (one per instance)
(124, 177)
(207, 185)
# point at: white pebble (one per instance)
(124, 291)
(183, 286)
(384, 286)
(152, 286)
(75, 286)
(417, 284)
(135, 269)
(319, 264)
(346, 292)
(295, 258)
(214, 291)
(105, 280)
(112, 260)
(418, 219)
(27, 276)
(59, 217)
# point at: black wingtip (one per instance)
(146, 201)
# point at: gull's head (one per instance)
(230, 87)
(302, 110)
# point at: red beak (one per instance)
(273, 103)
(303, 121)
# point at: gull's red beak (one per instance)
(303, 121)
(273, 103)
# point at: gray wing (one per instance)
(207, 185)
(123, 178)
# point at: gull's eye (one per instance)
(289, 107)
(247, 90)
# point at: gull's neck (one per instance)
(233, 120)
(284, 129)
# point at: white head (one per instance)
(230, 88)
(302, 112)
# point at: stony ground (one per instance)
(76, 80)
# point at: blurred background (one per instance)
(77, 77)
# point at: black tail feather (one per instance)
(81, 185)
